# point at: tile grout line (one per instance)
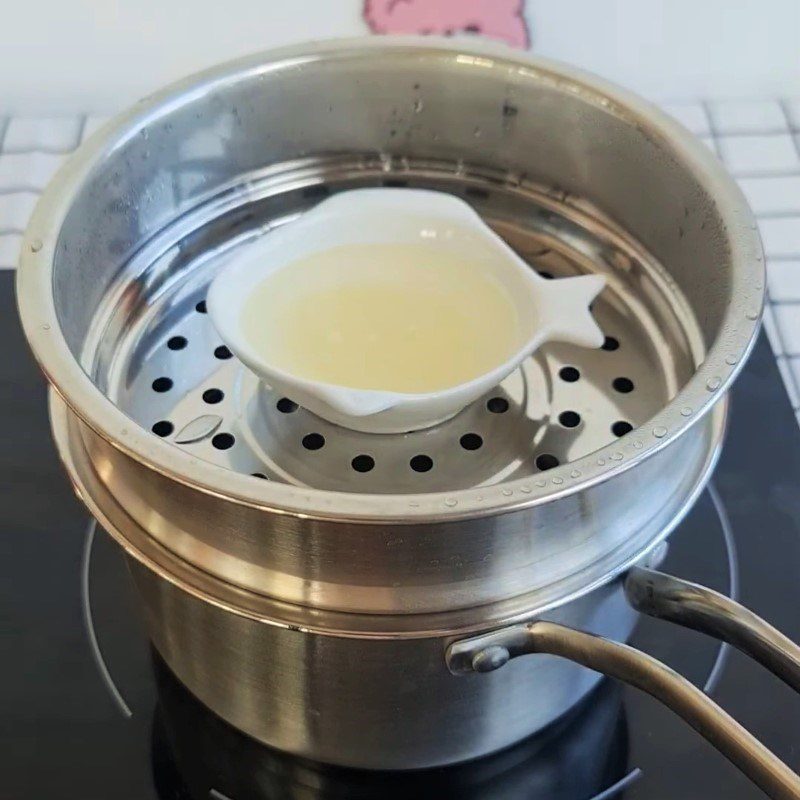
(784, 257)
(712, 126)
(755, 174)
(745, 133)
(7, 192)
(779, 214)
(4, 124)
(41, 151)
(84, 121)
(788, 118)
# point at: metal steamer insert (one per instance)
(325, 590)
(173, 374)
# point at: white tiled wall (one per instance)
(758, 140)
(31, 150)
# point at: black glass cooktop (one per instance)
(89, 712)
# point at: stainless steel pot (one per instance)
(313, 608)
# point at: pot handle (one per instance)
(686, 604)
(693, 606)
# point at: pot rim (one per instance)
(734, 341)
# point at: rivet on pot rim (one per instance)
(450, 502)
(659, 432)
(558, 481)
(576, 473)
(616, 456)
(507, 492)
(525, 489)
(36, 245)
(541, 484)
(712, 384)
(686, 411)
(731, 359)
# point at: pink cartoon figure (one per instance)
(497, 19)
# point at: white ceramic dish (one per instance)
(549, 310)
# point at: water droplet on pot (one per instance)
(712, 384)
(477, 133)
(659, 432)
(418, 106)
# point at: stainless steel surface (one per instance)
(536, 412)
(666, 597)
(492, 651)
(139, 544)
(271, 668)
(125, 240)
(364, 690)
(364, 702)
(544, 581)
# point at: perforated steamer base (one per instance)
(158, 357)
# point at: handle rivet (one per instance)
(490, 659)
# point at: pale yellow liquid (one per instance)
(400, 317)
